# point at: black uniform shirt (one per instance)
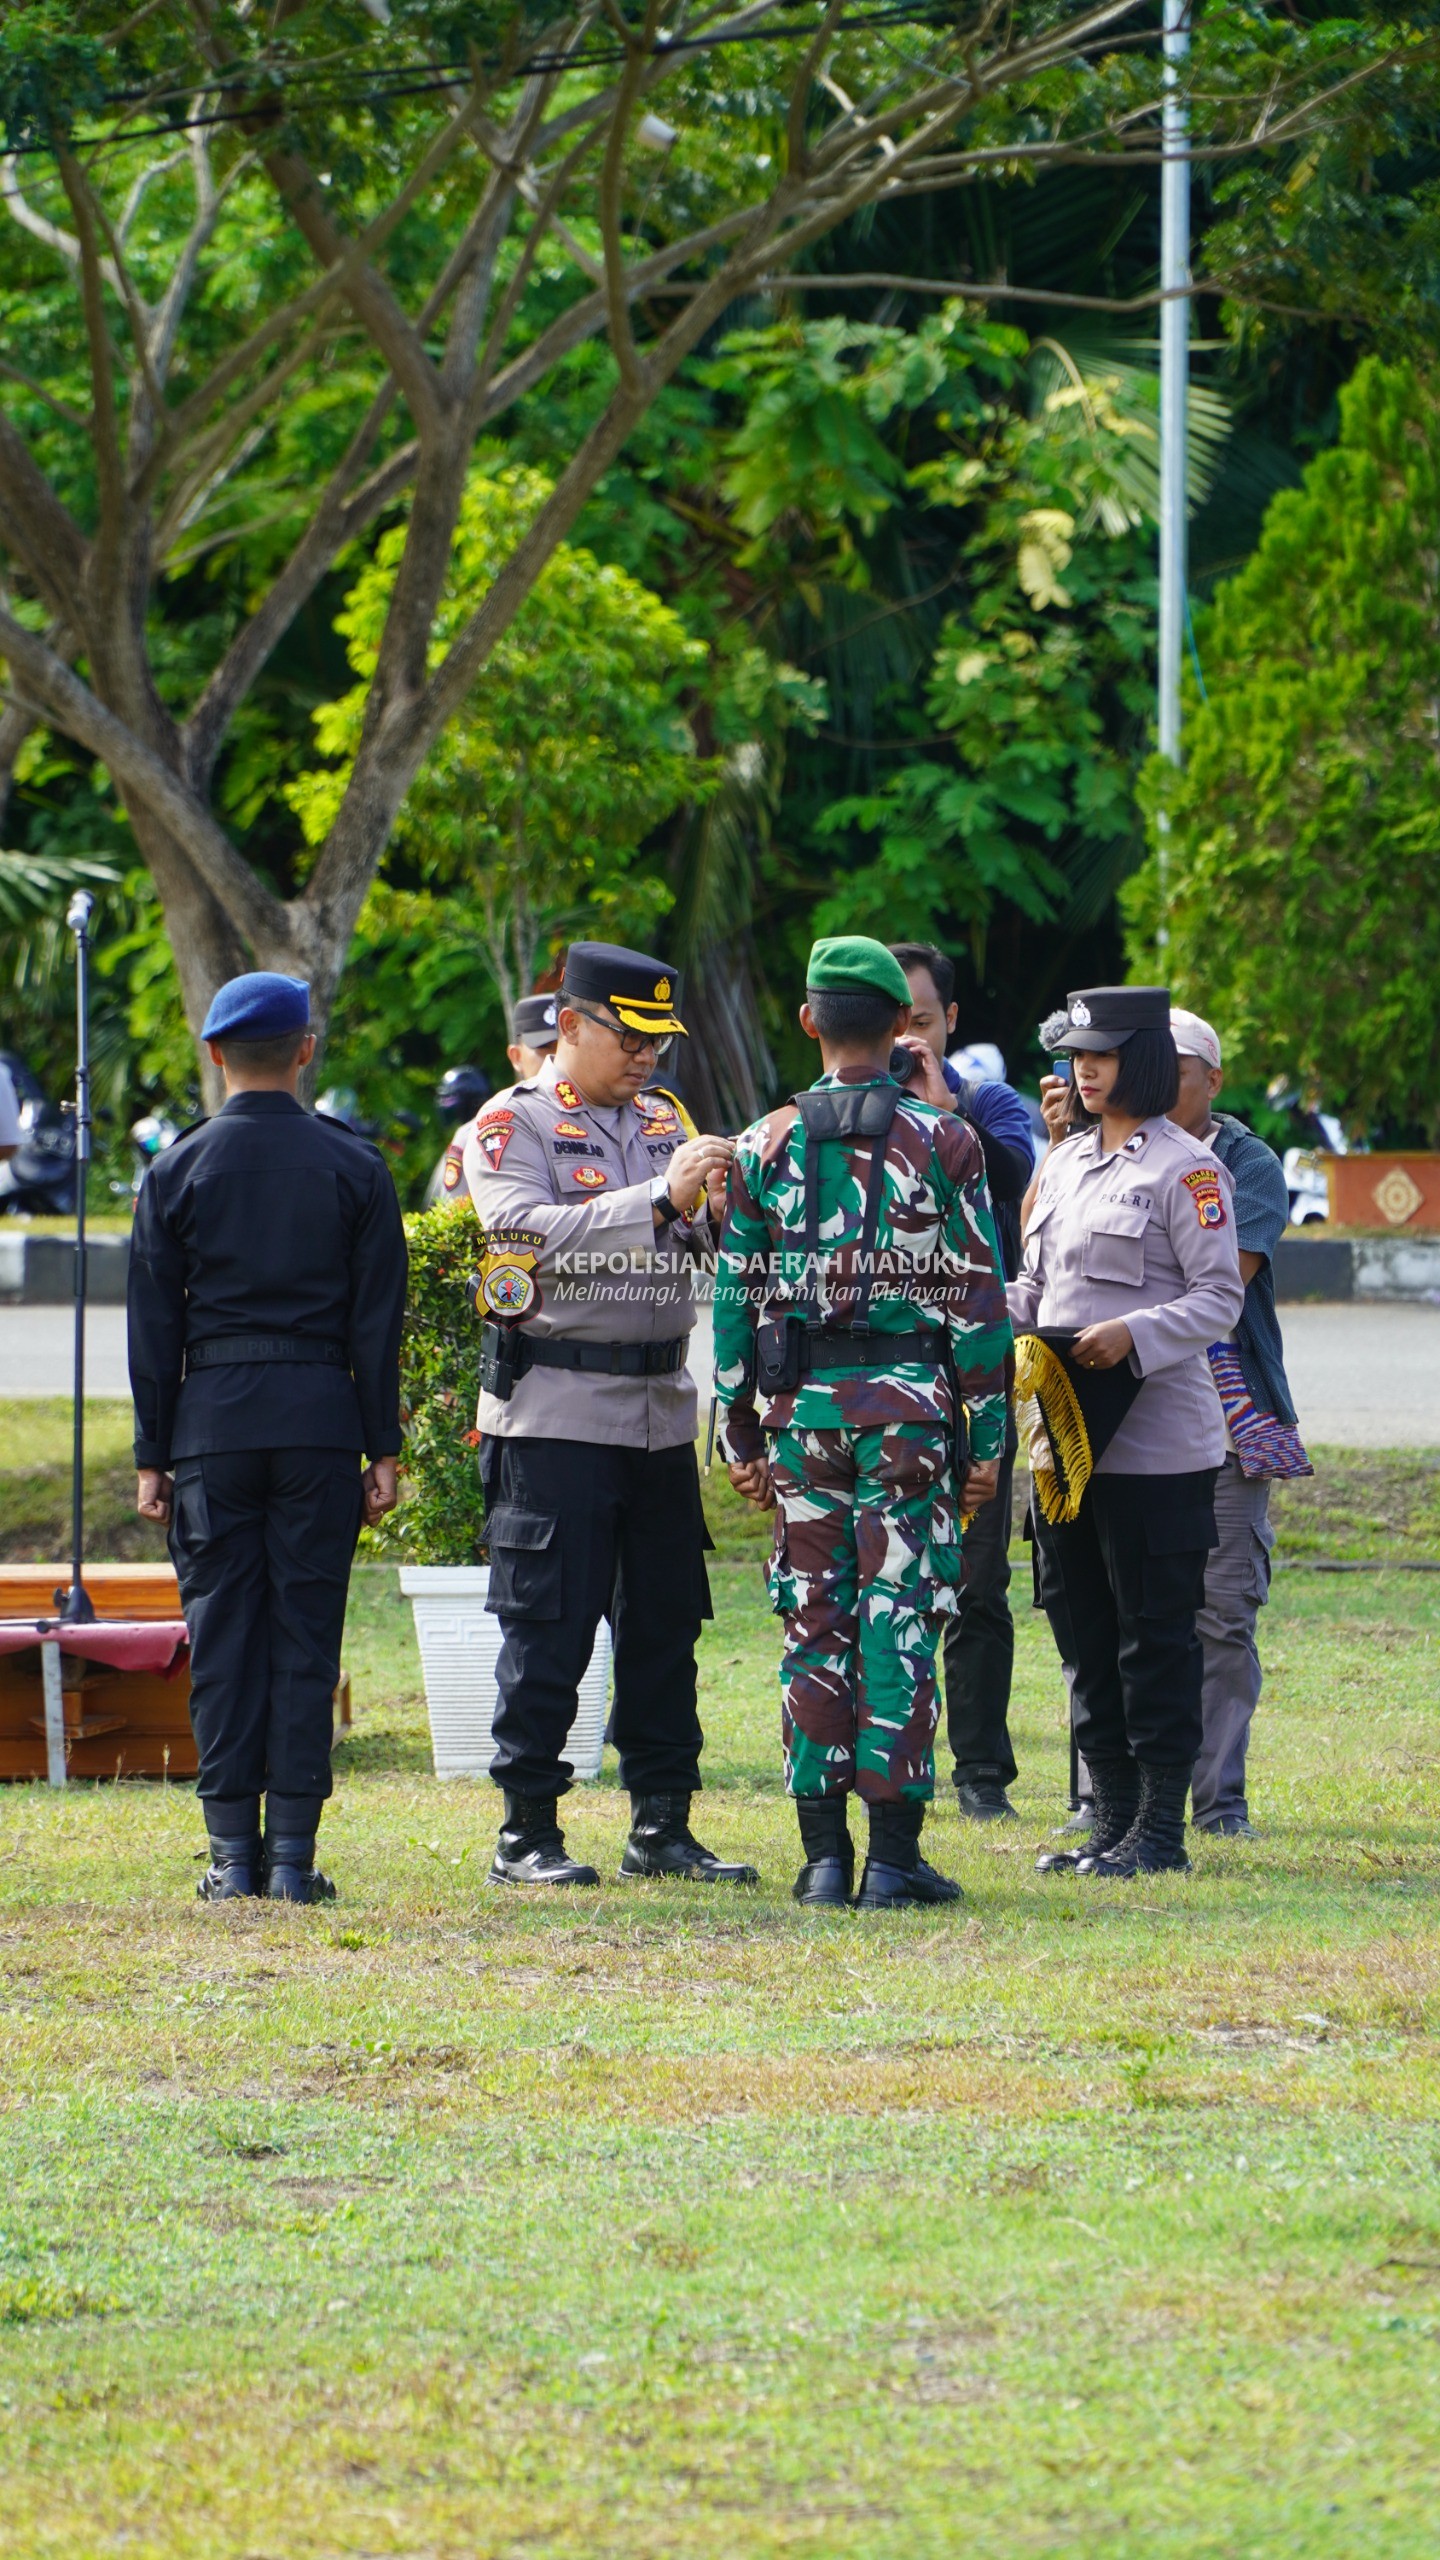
(266, 1220)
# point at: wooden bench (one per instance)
(118, 1724)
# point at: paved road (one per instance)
(1364, 1377)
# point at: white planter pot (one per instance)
(459, 1647)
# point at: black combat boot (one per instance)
(1116, 1781)
(983, 1799)
(531, 1847)
(661, 1843)
(1155, 1842)
(895, 1872)
(236, 1851)
(827, 1880)
(291, 1874)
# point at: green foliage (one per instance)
(441, 1516)
(536, 800)
(1305, 830)
(51, 70)
(1036, 690)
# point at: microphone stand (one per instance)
(75, 1605)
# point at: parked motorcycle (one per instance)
(38, 1181)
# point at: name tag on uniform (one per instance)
(575, 1147)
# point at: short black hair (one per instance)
(270, 1056)
(848, 1015)
(927, 955)
(1148, 1082)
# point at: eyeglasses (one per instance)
(634, 1043)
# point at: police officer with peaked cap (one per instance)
(266, 1293)
(595, 1195)
(533, 1028)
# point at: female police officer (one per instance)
(1130, 1256)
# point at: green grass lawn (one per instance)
(442, 2221)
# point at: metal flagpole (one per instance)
(1174, 391)
(75, 1605)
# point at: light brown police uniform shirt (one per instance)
(569, 1182)
(1146, 1234)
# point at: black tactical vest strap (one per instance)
(841, 1114)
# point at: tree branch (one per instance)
(797, 157)
(48, 687)
(105, 425)
(38, 528)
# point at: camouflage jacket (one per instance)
(936, 1263)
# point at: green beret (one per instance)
(853, 960)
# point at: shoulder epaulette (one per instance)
(662, 1093)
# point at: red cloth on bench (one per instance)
(134, 1644)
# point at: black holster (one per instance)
(777, 1355)
(499, 1360)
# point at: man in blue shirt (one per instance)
(1262, 1441)
(980, 1636)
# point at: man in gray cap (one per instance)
(594, 1195)
(1262, 1441)
(532, 1041)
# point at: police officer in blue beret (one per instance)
(267, 1290)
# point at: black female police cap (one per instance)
(1106, 1017)
(637, 988)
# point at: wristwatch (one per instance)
(660, 1199)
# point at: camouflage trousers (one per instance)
(866, 1562)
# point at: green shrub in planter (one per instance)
(441, 1514)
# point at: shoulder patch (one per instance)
(450, 1178)
(1205, 1190)
(493, 1135)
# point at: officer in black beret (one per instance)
(266, 1293)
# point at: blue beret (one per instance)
(260, 1006)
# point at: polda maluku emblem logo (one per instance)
(508, 1287)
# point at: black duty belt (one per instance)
(870, 1350)
(239, 1350)
(605, 1359)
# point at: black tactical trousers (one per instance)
(262, 1541)
(980, 1641)
(1121, 1586)
(578, 1533)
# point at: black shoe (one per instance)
(885, 1888)
(291, 1874)
(531, 1847)
(827, 1880)
(984, 1800)
(661, 1843)
(825, 1884)
(235, 1872)
(1227, 1826)
(895, 1872)
(1116, 1781)
(1155, 1842)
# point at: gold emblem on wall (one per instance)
(1397, 1196)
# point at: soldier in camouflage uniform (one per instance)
(859, 1292)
